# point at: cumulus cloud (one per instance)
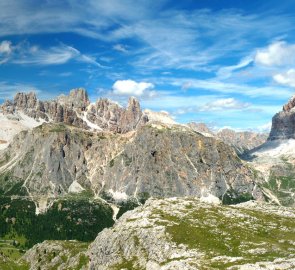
(130, 87)
(224, 104)
(5, 47)
(5, 51)
(276, 54)
(287, 78)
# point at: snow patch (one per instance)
(89, 124)
(12, 124)
(277, 148)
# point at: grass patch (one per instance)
(216, 234)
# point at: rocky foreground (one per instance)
(182, 233)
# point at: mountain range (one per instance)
(73, 168)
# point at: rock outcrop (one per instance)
(76, 110)
(62, 110)
(110, 116)
(54, 159)
(201, 128)
(60, 255)
(169, 162)
(283, 123)
(187, 234)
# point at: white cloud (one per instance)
(224, 104)
(264, 128)
(52, 56)
(278, 53)
(168, 37)
(287, 78)
(218, 86)
(225, 72)
(130, 87)
(27, 54)
(5, 51)
(5, 47)
(120, 48)
(8, 90)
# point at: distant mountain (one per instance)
(241, 141)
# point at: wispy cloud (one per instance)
(226, 72)
(218, 86)
(170, 38)
(27, 54)
(224, 104)
(120, 48)
(8, 90)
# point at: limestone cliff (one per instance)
(283, 123)
(54, 159)
(76, 110)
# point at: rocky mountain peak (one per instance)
(201, 128)
(289, 105)
(283, 123)
(78, 99)
(25, 100)
(133, 104)
(75, 109)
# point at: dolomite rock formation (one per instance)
(54, 159)
(61, 110)
(111, 116)
(283, 123)
(76, 110)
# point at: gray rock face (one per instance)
(60, 255)
(283, 123)
(75, 109)
(171, 162)
(110, 116)
(154, 161)
(201, 127)
(61, 110)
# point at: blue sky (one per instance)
(222, 62)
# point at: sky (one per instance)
(227, 63)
